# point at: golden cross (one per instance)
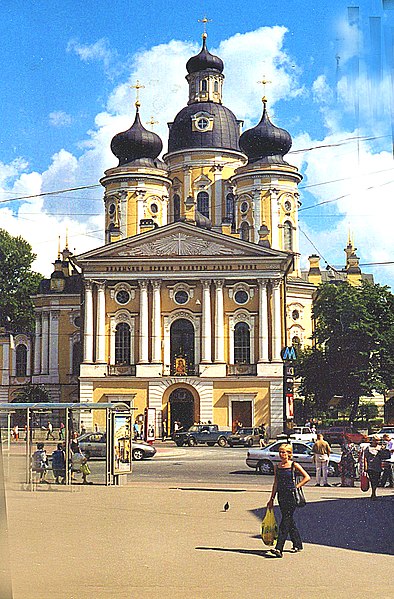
(137, 87)
(264, 82)
(204, 21)
(152, 122)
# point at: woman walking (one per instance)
(373, 463)
(284, 485)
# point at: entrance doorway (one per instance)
(242, 413)
(181, 408)
(182, 347)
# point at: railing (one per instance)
(242, 369)
(121, 370)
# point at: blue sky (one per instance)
(66, 71)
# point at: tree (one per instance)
(30, 393)
(353, 353)
(17, 283)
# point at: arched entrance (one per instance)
(182, 347)
(181, 403)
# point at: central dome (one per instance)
(204, 60)
(224, 133)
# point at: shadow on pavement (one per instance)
(358, 524)
(260, 552)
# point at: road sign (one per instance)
(288, 354)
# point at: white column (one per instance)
(37, 346)
(206, 322)
(45, 343)
(100, 328)
(88, 324)
(54, 344)
(156, 325)
(144, 330)
(263, 321)
(219, 321)
(276, 320)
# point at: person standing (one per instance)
(61, 431)
(59, 464)
(284, 485)
(373, 463)
(387, 475)
(163, 430)
(40, 462)
(321, 456)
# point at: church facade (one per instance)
(198, 287)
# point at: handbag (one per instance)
(269, 528)
(298, 492)
(364, 482)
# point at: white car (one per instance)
(300, 433)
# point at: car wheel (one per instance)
(222, 442)
(210, 444)
(138, 454)
(249, 443)
(179, 443)
(333, 469)
(192, 442)
(265, 467)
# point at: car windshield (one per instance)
(194, 429)
(386, 429)
(245, 431)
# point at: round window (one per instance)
(112, 209)
(181, 297)
(244, 206)
(154, 208)
(241, 297)
(77, 321)
(122, 297)
(295, 315)
(203, 123)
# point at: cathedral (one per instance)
(186, 307)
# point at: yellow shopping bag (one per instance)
(269, 528)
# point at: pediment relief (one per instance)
(179, 244)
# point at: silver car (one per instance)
(263, 460)
(94, 445)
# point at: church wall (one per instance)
(222, 401)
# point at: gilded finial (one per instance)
(152, 122)
(137, 87)
(58, 248)
(66, 238)
(264, 82)
(204, 21)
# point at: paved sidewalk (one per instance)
(159, 541)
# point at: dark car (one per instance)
(93, 445)
(200, 434)
(246, 436)
(341, 434)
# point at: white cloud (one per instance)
(60, 119)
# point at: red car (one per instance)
(340, 434)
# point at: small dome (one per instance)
(204, 60)
(265, 142)
(136, 143)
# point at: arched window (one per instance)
(241, 343)
(287, 236)
(230, 206)
(204, 85)
(122, 343)
(296, 341)
(21, 360)
(76, 357)
(244, 231)
(203, 203)
(216, 87)
(177, 207)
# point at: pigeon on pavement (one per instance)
(226, 506)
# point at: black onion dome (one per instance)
(265, 142)
(224, 134)
(136, 144)
(204, 60)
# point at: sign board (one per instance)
(288, 354)
(150, 425)
(122, 431)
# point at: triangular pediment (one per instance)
(179, 240)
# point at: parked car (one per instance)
(246, 436)
(93, 445)
(340, 434)
(300, 433)
(202, 433)
(264, 460)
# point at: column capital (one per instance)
(219, 283)
(88, 283)
(101, 285)
(156, 284)
(143, 284)
(276, 283)
(55, 314)
(206, 283)
(262, 283)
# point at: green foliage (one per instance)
(17, 283)
(367, 411)
(30, 393)
(354, 345)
